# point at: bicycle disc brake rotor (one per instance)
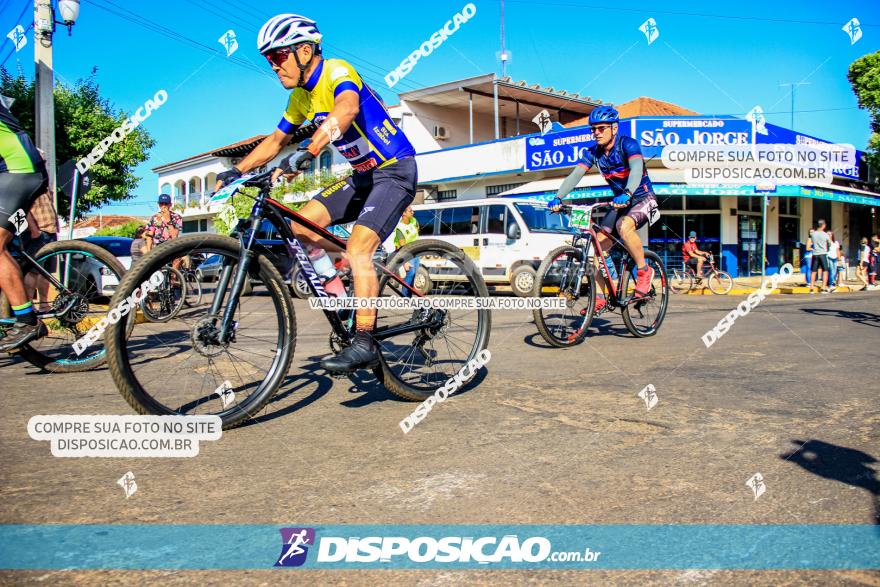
(205, 335)
(72, 308)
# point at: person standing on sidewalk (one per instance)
(820, 256)
(407, 231)
(833, 256)
(863, 260)
(808, 260)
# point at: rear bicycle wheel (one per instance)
(193, 290)
(165, 302)
(91, 274)
(181, 366)
(415, 363)
(681, 281)
(643, 317)
(720, 283)
(558, 276)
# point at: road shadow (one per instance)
(866, 318)
(292, 383)
(599, 327)
(838, 463)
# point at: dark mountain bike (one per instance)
(70, 283)
(570, 272)
(246, 343)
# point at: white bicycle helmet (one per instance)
(285, 30)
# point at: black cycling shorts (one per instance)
(692, 261)
(18, 192)
(640, 211)
(376, 199)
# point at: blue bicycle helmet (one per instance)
(604, 114)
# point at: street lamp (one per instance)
(69, 10)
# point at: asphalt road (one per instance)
(548, 436)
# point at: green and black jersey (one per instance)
(18, 154)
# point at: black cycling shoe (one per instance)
(20, 334)
(363, 353)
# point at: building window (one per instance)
(702, 203)
(789, 206)
(494, 190)
(444, 195)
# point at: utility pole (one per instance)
(44, 23)
(794, 86)
(503, 52)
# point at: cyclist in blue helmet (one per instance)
(619, 159)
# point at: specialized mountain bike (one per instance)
(570, 272)
(230, 356)
(684, 280)
(70, 283)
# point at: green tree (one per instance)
(864, 77)
(128, 229)
(82, 120)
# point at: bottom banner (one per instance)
(439, 547)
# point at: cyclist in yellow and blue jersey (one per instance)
(352, 118)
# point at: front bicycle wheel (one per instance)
(90, 275)
(565, 274)
(418, 361)
(643, 317)
(681, 281)
(183, 366)
(720, 283)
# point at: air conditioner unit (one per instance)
(440, 132)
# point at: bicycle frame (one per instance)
(591, 240)
(266, 208)
(49, 276)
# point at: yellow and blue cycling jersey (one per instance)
(372, 140)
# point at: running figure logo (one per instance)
(854, 29)
(128, 484)
(649, 27)
(294, 548)
(756, 483)
(229, 42)
(18, 37)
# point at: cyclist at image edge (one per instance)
(620, 161)
(23, 177)
(693, 256)
(330, 93)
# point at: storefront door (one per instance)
(749, 258)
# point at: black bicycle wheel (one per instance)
(564, 274)
(416, 363)
(168, 299)
(192, 289)
(91, 275)
(180, 366)
(643, 317)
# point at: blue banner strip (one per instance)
(468, 547)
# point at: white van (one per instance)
(507, 239)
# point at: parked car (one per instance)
(506, 239)
(119, 247)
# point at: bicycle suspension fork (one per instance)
(246, 255)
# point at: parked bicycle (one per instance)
(168, 299)
(684, 280)
(569, 272)
(230, 356)
(71, 282)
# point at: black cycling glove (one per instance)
(227, 177)
(299, 161)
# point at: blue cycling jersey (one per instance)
(614, 165)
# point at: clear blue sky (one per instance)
(718, 58)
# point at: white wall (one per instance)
(480, 159)
(419, 126)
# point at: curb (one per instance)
(789, 290)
